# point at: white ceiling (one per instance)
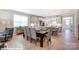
(48, 12)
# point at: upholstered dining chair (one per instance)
(25, 33)
(48, 36)
(28, 33)
(55, 31)
(33, 35)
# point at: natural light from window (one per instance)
(20, 20)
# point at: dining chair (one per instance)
(48, 36)
(28, 33)
(55, 31)
(25, 33)
(33, 35)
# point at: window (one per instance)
(68, 20)
(20, 20)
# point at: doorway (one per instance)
(68, 23)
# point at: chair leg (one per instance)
(50, 40)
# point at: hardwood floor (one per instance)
(63, 41)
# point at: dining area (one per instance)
(40, 31)
(34, 28)
(40, 35)
(29, 32)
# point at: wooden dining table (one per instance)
(41, 34)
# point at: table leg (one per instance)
(41, 41)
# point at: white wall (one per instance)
(6, 19)
(76, 23)
(35, 20)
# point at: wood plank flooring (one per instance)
(63, 41)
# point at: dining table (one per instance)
(41, 34)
